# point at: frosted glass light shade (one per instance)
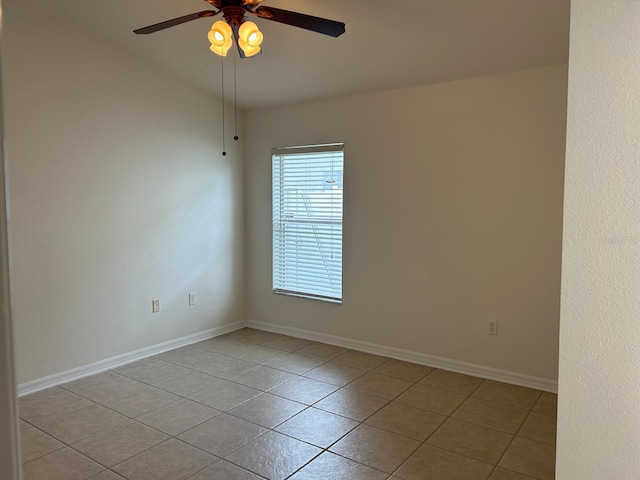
(249, 38)
(221, 38)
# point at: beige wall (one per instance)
(119, 194)
(453, 217)
(598, 415)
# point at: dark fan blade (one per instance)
(176, 21)
(308, 22)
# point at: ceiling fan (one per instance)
(247, 35)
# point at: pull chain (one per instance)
(235, 97)
(224, 150)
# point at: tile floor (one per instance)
(253, 405)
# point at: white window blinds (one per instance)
(307, 221)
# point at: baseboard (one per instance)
(481, 371)
(119, 360)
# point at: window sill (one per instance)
(308, 297)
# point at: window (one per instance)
(307, 221)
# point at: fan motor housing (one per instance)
(222, 4)
(234, 15)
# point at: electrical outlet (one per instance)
(493, 328)
(192, 299)
(155, 305)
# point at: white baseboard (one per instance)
(506, 376)
(482, 371)
(119, 360)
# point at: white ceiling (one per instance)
(388, 44)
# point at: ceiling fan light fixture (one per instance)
(221, 38)
(248, 50)
(250, 38)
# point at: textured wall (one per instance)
(452, 217)
(9, 464)
(598, 417)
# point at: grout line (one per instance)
(515, 435)
(128, 418)
(325, 361)
(424, 442)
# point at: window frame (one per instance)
(278, 156)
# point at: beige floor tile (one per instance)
(407, 421)
(23, 425)
(506, 394)
(222, 434)
(492, 415)
(208, 362)
(376, 448)
(470, 440)
(530, 458)
(540, 428)
(226, 367)
(258, 354)
(253, 336)
(547, 404)
(454, 382)
(430, 463)
(170, 460)
(205, 361)
(379, 385)
(107, 475)
(359, 360)
(109, 379)
(351, 404)
(304, 390)
(184, 382)
(321, 351)
(288, 344)
(64, 464)
(35, 443)
(339, 375)
(83, 423)
(294, 363)
(224, 395)
(147, 370)
(49, 404)
(178, 417)
(177, 351)
(222, 345)
(502, 474)
(223, 470)
(180, 356)
(315, 396)
(267, 410)
(432, 399)
(187, 384)
(235, 335)
(119, 443)
(263, 378)
(317, 427)
(329, 466)
(404, 370)
(122, 394)
(133, 403)
(273, 455)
